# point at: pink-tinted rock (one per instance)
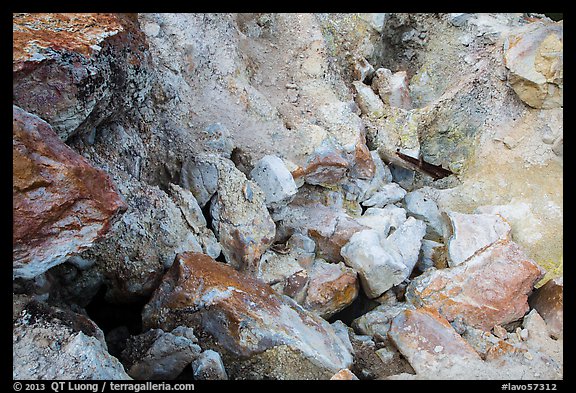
(392, 88)
(491, 288)
(548, 300)
(428, 341)
(259, 333)
(75, 70)
(344, 375)
(61, 204)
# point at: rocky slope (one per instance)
(287, 196)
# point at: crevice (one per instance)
(360, 306)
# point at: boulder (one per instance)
(533, 55)
(472, 233)
(157, 354)
(548, 300)
(62, 205)
(78, 70)
(383, 219)
(259, 333)
(383, 262)
(491, 288)
(428, 341)
(53, 344)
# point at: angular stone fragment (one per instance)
(61, 203)
(275, 180)
(362, 189)
(54, 344)
(428, 341)
(392, 88)
(534, 58)
(368, 101)
(472, 233)
(491, 288)
(388, 193)
(376, 322)
(248, 323)
(344, 375)
(424, 208)
(209, 366)
(548, 300)
(383, 219)
(331, 288)
(77, 70)
(200, 176)
(383, 262)
(241, 221)
(159, 355)
(432, 254)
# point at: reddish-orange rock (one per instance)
(344, 375)
(491, 288)
(75, 70)
(548, 300)
(258, 332)
(426, 339)
(61, 204)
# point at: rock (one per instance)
(259, 333)
(200, 176)
(392, 88)
(345, 375)
(388, 193)
(428, 341)
(491, 288)
(424, 208)
(209, 366)
(533, 56)
(55, 344)
(381, 262)
(361, 189)
(157, 354)
(274, 180)
(363, 70)
(142, 243)
(325, 166)
(62, 205)
(331, 288)
(383, 219)
(218, 139)
(472, 233)
(432, 254)
(78, 70)
(548, 300)
(376, 323)
(368, 101)
(240, 219)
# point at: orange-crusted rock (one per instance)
(344, 375)
(491, 288)
(75, 70)
(259, 333)
(428, 341)
(61, 203)
(548, 300)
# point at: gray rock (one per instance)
(432, 254)
(388, 193)
(209, 366)
(54, 344)
(424, 208)
(159, 355)
(368, 101)
(472, 233)
(376, 323)
(275, 180)
(200, 176)
(218, 139)
(383, 219)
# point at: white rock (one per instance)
(424, 208)
(392, 88)
(389, 193)
(472, 233)
(275, 180)
(383, 219)
(368, 101)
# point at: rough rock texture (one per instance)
(78, 70)
(248, 321)
(160, 355)
(392, 88)
(472, 233)
(376, 322)
(491, 288)
(275, 180)
(382, 262)
(548, 300)
(424, 208)
(53, 344)
(209, 366)
(428, 341)
(534, 58)
(61, 203)
(344, 375)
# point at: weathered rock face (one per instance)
(534, 59)
(209, 366)
(428, 341)
(49, 343)
(392, 88)
(248, 321)
(275, 180)
(77, 70)
(548, 300)
(61, 203)
(491, 288)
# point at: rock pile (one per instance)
(220, 196)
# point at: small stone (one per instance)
(385, 355)
(345, 375)
(209, 367)
(500, 332)
(275, 180)
(388, 193)
(438, 348)
(392, 88)
(369, 103)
